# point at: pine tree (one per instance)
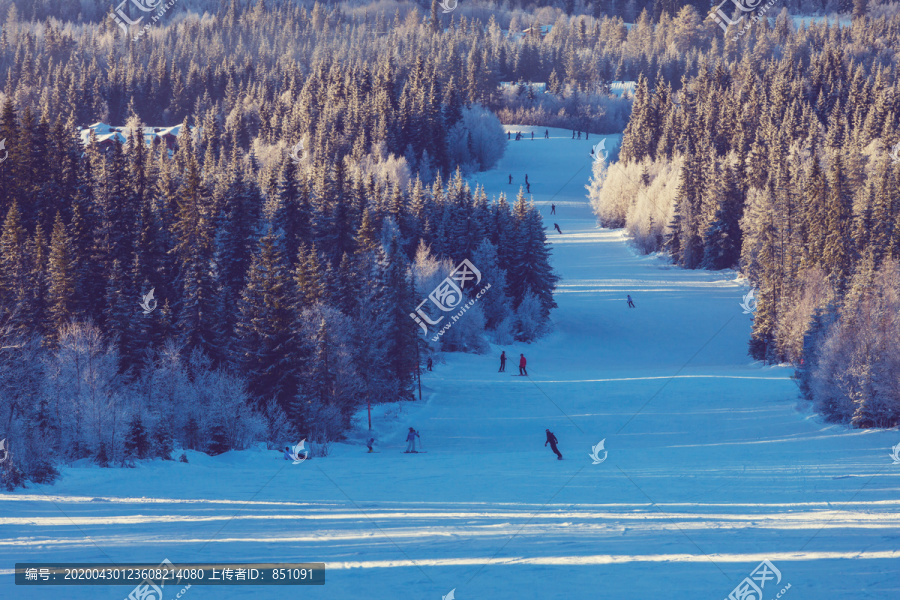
(61, 274)
(137, 441)
(264, 324)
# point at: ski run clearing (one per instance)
(714, 464)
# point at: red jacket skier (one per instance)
(522, 363)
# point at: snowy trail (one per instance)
(712, 463)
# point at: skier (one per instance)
(287, 453)
(522, 363)
(552, 209)
(587, 135)
(546, 134)
(526, 178)
(508, 134)
(579, 134)
(630, 302)
(528, 188)
(429, 363)
(369, 444)
(502, 362)
(557, 228)
(551, 439)
(510, 179)
(573, 134)
(411, 438)
(532, 136)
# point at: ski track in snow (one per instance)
(713, 465)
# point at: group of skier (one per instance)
(522, 363)
(520, 135)
(527, 184)
(413, 435)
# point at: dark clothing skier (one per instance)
(557, 228)
(551, 439)
(587, 135)
(546, 134)
(510, 179)
(532, 136)
(552, 209)
(508, 134)
(528, 187)
(522, 363)
(369, 444)
(502, 362)
(573, 134)
(430, 363)
(579, 135)
(630, 302)
(526, 178)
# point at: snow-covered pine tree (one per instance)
(264, 324)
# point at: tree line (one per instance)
(778, 156)
(283, 273)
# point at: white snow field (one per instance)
(713, 463)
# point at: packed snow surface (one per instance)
(713, 463)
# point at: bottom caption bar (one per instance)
(167, 573)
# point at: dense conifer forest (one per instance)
(777, 155)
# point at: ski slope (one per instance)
(713, 463)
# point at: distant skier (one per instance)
(573, 134)
(526, 178)
(630, 302)
(509, 135)
(370, 443)
(522, 363)
(528, 188)
(502, 362)
(552, 209)
(557, 228)
(287, 453)
(579, 134)
(510, 179)
(430, 363)
(546, 134)
(532, 136)
(551, 439)
(587, 135)
(411, 438)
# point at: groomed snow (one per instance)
(713, 464)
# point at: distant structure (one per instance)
(107, 135)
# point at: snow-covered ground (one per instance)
(713, 465)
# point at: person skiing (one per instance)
(546, 134)
(551, 439)
(287, 453)
(508, 134)
(630, 302)
(411, 438)
(552, 209)
(526, 178)
(579, 134)
(528, 188)
(502, 362)
(532, 136)
(369, 444)
(557, 228)
(573, 134)
(430, 363)
(522, 363)
(587, 135)
(510, 179)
